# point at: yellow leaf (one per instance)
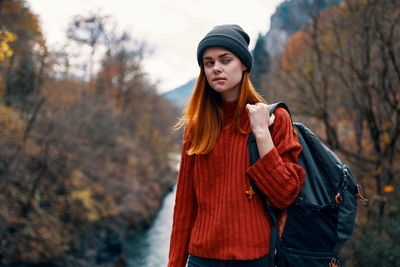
(85, 197)
(5, 38)
(388, 188)
(309, 66)
(386, 138)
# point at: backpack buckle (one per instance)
(338, 198)
(345, 180)
(335, 262)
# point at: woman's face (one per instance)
(224, 71)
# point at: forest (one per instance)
(84, 151)
(340, 73)
(85, 147)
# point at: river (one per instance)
(150, 248)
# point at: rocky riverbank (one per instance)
(101, 244)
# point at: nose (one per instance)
(217, 68)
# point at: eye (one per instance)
(208, 63)
(226, 60)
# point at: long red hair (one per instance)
(204, 118)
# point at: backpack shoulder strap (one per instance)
(273, 106)
(252, 145)
(274, 235)
(254, 156)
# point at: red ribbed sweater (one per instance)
(213, 218)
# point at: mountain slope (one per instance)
(181, 95)
(290, 17)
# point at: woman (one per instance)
(216, 218)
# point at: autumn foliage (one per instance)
(82, 161)
(5, 38)
(341, 75)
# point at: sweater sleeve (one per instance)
(185, 209)
(278, 174)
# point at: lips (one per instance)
(218, 79)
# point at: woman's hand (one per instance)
(260, 121)
(259, 118)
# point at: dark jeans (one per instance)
(204, 262)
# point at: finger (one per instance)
(271, 119)
(248, 107)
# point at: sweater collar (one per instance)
(229, 108)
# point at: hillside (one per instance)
(290, 17)
(181, 95)
(82, 162)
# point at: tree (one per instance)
(22, 83)
(121, 64)
(343, 71)
(17, 18)
(89, 30)
(351, 52)
(261, 62)
(77, 170)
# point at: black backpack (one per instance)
(321, 218)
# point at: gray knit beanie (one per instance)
(231, 37)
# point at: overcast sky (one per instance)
(172, 28)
